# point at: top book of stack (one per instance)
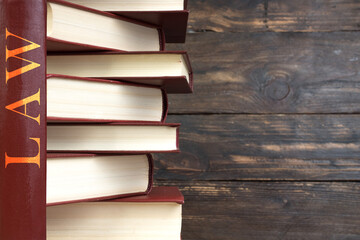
(170, 15)
(67, 30)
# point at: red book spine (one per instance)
(23, 120)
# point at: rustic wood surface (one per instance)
(274, 15)
(264, 147)
(270, 210)
(272, 73)
(270, 139)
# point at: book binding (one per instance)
(23, 120)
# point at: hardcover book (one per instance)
(79, 177)
(170, 70)
(134, 5)
(171, 16)
(74, 27)
(77, 99)
(23, 120)
(120, 137)
(23, 123)
(173, 23)
(156, 216)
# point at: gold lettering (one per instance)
(36, 159)
(17, 51)
(24, 102)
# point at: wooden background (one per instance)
(270, 139)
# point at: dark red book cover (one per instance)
(157, 194)
(54, 44)
(58, 119)
(23, 120)
(172, 84)
(150, 183)
(173, 23)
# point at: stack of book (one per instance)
(84, 96)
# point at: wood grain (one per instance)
(270, 210)
(313, 16)
(272, 73)
(264, 147)
(270, 139)
(274, 15)
(226, 16)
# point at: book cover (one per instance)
(23, 120)
(70, 63)
(157, 194)
(173, 23)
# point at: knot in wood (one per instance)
(277, 87)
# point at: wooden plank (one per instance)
(313, 16)
(270, 210)
(264, 147)
(274, 15)
(272, 73)
(226, 16)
